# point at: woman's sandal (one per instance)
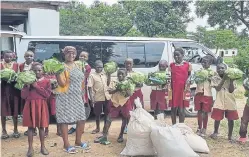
(4, 136)
(16, 135)
(70, 150)
(83, 145)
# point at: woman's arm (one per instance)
(61, 79)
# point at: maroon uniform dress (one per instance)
(35, 112)
(51, 99)
(179, 76)
(10, 96)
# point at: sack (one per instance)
(138, 135)
(169, 142)
(197, 143)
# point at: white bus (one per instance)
(146, 52)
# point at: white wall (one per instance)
(43, 22)
(226, 52)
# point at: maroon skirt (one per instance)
(10, 100)
(158, 100)
(35, 113)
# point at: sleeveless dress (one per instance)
(179, 76)
(70, 105)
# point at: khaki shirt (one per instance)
(224, 99)
(204, 88)
(117, 98)
(98, 83)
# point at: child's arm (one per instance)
(90, 85)
(91, 94)
(25, 92)
(231, 86)
(108, 79)
(219, 86)
(44, 91)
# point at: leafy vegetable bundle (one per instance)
(158, 78)
(53, 66)
(110, 67)
(202, 75)
(8, 75)
(125, 86)
(137, 78)
(234, 73)
(23, 78)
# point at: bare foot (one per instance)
(214, 136)
(4, 135)
(30, 152)
(95, 131)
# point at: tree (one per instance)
(225, 14)
(159, 18)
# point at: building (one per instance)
(226, 52)
(34, 17)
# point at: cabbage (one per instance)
(202, 75)
(110, 67)
(8, 75)
(125, 86)
(234, 73)
(138, 78)
(158, 78)
(26, 77)
(53, 66)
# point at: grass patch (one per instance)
(236, 127)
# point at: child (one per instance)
(51, 102)
(35, 112)
(203, 99)
(138, 91)
(98, 85)
(225, 103)
(26, 66)
(244, 118)
(10, 97)
(158, 94)
(180, 71)
(87, 70)
(118, 105)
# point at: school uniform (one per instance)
(203, 99)
(51, 99)
(98, 83)
(10, 96)
(158, 98)
(137, 93)
(225, 103)
(119, 104)
(87, 71)
(35, 112)
(179, 76)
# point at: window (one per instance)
(226, 52)
(143, 54)
(233, 52)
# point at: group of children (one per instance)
(37, 101)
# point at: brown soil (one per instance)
(221, 147)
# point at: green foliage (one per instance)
(126, 18)
(225, 14)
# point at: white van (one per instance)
(146, 52)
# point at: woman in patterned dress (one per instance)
(69, 102)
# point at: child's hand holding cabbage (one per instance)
(137, 78)
(234, 73)
(8, 75)
(126, 87)
(25, 78)
(203, 75)
(158, 78)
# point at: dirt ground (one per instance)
(221, 147)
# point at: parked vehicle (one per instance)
(146, 52)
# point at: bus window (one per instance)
(114, 51)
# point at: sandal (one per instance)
(100, 139)
(242, 140)
(214, 136)
(70, 150)
(16, 135)
(4, 136)
(83, 145)
(44, 151)
(95, 131)
(120, 140)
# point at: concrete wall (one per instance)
(43, 22)
(226, 52)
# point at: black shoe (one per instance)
(71, 130)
